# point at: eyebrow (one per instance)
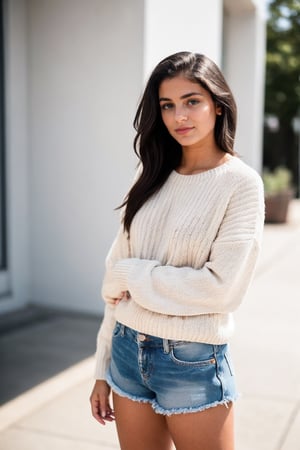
(190, 94)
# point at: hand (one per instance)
(99, 399)
(125, 295)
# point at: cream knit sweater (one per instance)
(191, 256)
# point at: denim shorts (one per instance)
(173, 376)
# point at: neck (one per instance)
(197, 160)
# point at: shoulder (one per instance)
(243, 175)
(247, 195)
(246, 191)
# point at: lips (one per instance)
(183, 130)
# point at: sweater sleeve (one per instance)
(218, 286)
(104, 337)
(119, 249)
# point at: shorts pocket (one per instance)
(193, 354)
(229, 363)
(118, 330)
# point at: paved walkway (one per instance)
(55, 414)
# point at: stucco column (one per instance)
(244, 62)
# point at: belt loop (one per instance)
(122, 331)
(166, 346)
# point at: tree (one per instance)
(282, 95)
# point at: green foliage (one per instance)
(277, 181)
(283, 60)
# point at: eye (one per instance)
(166, 106)
(193, 102)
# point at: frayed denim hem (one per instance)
(169, 412)
(122, 393)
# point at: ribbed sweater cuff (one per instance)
(121, 273)
(102, 362)
(129, 270)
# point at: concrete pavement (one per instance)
(55, 414)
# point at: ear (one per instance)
(218, 110)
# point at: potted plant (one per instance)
(278, 194)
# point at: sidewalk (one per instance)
(55, 415)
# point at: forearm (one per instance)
(218, 287)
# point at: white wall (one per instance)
(15, 31)
(174, 25)
(84, 80)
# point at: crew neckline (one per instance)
(209, 171)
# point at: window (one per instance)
(3, 249)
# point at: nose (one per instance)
(180, 115)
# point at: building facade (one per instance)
(73, 73)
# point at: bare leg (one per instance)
(139, 427)
(211, 429)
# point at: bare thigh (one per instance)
(139, 427)
(211, 429)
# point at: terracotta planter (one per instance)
(277, 206)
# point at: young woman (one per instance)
(179, 266)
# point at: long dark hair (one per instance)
(158, 151)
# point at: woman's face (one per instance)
(188, 111)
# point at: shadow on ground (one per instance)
(38, 343)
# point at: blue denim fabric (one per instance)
(173, 376)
